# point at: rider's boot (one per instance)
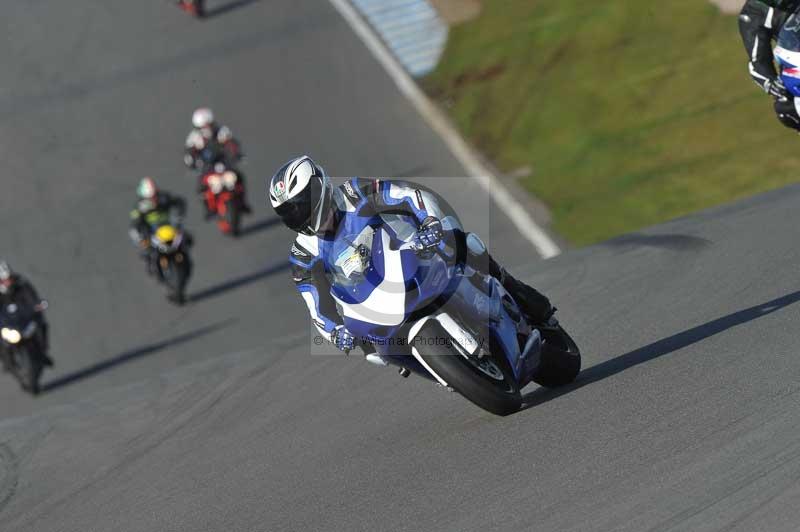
(245, 204)
(207, 212)
(45, 328)
(533, 303)
(150, 262)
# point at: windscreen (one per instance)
(789, 37)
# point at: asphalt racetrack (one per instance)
(95, 96)
(215, 417)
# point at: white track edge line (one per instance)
(523, 221)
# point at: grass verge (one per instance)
(629, 113)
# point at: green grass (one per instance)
(630, 113)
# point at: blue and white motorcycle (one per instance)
(437, 314)
(787, 53)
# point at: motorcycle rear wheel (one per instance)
(560, 359)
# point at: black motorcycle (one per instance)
(174, 266)
(23, 344)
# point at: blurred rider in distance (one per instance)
(153, 209)
(16, 289)
(209, 144)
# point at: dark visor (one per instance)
(297, 213)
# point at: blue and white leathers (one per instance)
(357, 195)
(370, 276)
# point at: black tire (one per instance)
(560, 361)
(181, 271)
(173, 278)
(234, 217)
(29, 370)
(445, 359)
(170, 277)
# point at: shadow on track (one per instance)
(258, 226)
(660, 348)
(673, 242)
(227, 8)
(132, 354)
(237, 282)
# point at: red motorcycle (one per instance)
(223, 193)
(193, 7)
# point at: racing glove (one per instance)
(774, 87)
(343, 339)
(430, 233)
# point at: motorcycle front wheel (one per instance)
(488, 382)
(29, 369)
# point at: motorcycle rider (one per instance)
(16, 289)
(207, 133)
(153, 209)
(220, 171)
(760, 22)
(306, 201)
(209, 143)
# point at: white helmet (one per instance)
(202, 117)
(147, 188)
(147, 192)
(224, 134)
(302, 195)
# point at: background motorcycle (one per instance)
(193, 7)
(437, 315)
(173, 264)
(214, 153)
(22, 344)
(223, 194)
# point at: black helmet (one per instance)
(302, 195)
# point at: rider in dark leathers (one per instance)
(760, 21)
(15, 288)
(206, 133)
(302, 196)
(153, 209)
